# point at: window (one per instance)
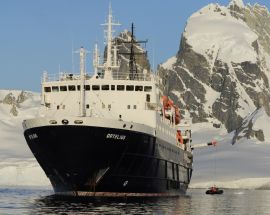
(87, 106)
(105, 87)
(58, 107)
(109, 106)
(78, 87)
(128, 107)
(87, 87)
(148, 97)
(134, 106)
(55, 88)
(71, 88)
(147, 88)
(95, 87)
(112, 87)
(63, 88)
(121, 87)
(47, 89)
(129, 88)
(138, 88)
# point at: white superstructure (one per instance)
(110, 95)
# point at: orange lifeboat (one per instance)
(168, 105)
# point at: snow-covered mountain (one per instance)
(222, 69)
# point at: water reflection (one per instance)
(196, 202)
(58, 205)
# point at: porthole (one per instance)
(65, 121)
(78, 122)
(53, 122)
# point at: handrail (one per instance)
(115, 76)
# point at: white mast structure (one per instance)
(82, 75)
(108, 66)
(96, 59)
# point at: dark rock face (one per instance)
(9, 99)
(14, 102)
(237, 88)
(123, 48)
(246, 129)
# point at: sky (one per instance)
(39, 35)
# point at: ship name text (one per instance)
(116, 136)
(33, 136)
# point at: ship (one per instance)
(111, 133)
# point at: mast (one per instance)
(108, 66)
(96, 60)
(133, 72)
(82, 75)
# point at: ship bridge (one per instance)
(117, 98)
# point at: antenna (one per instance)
(72, 56)
(108, 64)
(153, 63)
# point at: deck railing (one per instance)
(63, 76)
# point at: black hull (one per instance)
(90, 160)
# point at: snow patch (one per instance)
(243, 165)
(247, 183)
(169, 63)
(22, 172)
(213, 28)
(261, 121)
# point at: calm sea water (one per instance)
(196, 202)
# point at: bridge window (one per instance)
(120, 87)
(47, 89)
(138, 88)
(147, 88)
(55, 88)
(87, 87)
(63, 88)
(105, 87)
(129, 88)
(112, 87)
(71, 88)
(95, 87)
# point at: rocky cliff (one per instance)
(122, 42)
(221, 71)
